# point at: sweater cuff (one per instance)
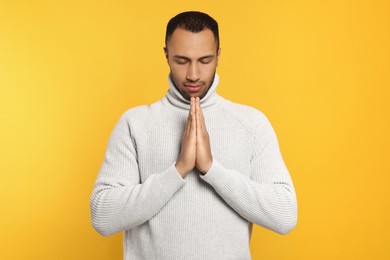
(217, 176)
(171, 180)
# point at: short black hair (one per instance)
(192, 21)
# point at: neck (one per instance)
(209, 100)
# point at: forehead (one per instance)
(189, 44)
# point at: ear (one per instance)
(166, 53)
(218, 54)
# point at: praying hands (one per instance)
(195, 149)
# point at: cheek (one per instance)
(208, 72)
(177, 75)
(178, 70)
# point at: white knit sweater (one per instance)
(139, 191)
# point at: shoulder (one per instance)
(142, 112)
(249, 116)
(142, 118)
(253, 120)
(134, 113)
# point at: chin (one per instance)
(199, 95)
(189, 95)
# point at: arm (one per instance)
(119, 201)
(267, 197)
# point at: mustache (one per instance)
(192, 83)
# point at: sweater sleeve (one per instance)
(266, 198)
(119, 200)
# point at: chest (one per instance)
(230, 144)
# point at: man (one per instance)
(187, 176)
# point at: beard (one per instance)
(206, 84)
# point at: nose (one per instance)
(193, 73)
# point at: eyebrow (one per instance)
(186, 58)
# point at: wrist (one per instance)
(206, 169)
(180, 169)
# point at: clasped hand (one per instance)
(195, 146)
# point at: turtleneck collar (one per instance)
(211, 99)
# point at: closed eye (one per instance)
(206, 60)
(181, 60)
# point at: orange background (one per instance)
(318, 69)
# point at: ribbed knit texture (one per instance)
(164, 216)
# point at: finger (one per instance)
(201, 120)
(198, 104)
(193, 118)
(188, 124)
(199, 109)
(197, 114)
(189, 120)
(193, 105)
(190, 110)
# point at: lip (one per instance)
(193, 88)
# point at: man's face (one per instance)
(193, 59)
